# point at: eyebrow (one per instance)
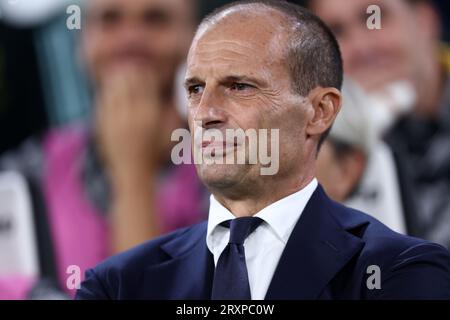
(192, 81)
(232, 78)
(242, 78)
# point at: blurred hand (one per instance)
(128, 122)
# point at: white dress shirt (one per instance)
(263, 248)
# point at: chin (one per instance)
(221, 175)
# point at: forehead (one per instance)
(241, 40)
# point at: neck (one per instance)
(253, 202)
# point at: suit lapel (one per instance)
(189, 272)
(317, 249)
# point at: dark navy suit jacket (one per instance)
(327, 257)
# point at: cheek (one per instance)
(190, 118)
(295, 120)
(291, 124)
(272, 110)
(91, 49)
(164, 46)
(95, 54)
(395, 44)
(100, 43)
(247, 112)
(398, 36)
(167, 44)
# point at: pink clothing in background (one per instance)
(80, 233)
(15, 287)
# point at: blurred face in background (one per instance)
(149, 35)
(404, 49)
(340, 167)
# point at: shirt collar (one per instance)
(281, 216)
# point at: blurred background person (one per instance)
(104, 185)
(406, 50)
(357, 168)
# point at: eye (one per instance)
(156, 17)
(109, 17)
(195, 89)
(240, 86)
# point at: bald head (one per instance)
(263, 40)
(308, 48)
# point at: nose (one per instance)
(210, 112)
(130, 33)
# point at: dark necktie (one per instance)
(230, 276)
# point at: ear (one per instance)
(326, 103)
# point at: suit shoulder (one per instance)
(151, 252)
(409, 268)
(383, 246)
(120, 275)
(359, 223)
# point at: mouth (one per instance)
(217, 147)
(136, 59)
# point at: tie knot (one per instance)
(241, 228)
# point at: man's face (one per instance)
(377, 57)
(237, 79)
(149, 35)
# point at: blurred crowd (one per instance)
(86, 118)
